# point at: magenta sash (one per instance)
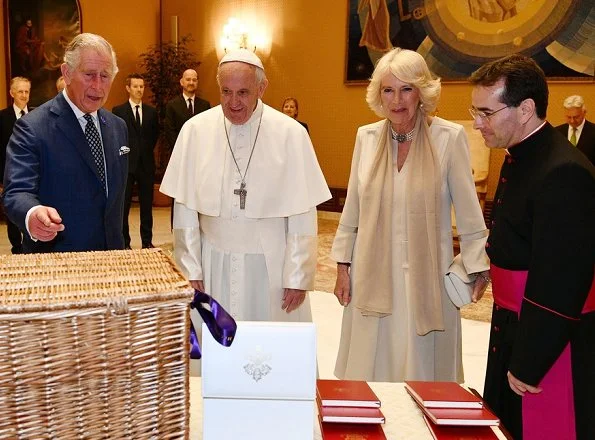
(590, 303)
(549, 414)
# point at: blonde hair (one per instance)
(410, 67)
(295, 101)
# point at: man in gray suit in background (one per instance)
(579, 131)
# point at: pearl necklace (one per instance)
(401, 137)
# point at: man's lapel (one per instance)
(132, 119)
(183, 106)
(147, 121)
(73, 132)
(113, 159)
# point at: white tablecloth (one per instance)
(403, 419)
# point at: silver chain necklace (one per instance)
(241, 191)
(401, 137)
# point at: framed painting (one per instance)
(457, 36)
(37, 32)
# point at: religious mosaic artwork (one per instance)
(457, 36)
(38, 32)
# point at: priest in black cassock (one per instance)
(540, 377)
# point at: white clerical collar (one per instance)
(530, 134)
(533, 132)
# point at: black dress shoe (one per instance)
(148, 246)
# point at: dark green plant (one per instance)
(163, 65)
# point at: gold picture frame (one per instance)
(36, 34)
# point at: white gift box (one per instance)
(263, 386)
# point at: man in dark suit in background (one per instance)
(143, 131)
(66, 162)
(183, 107)
(579, 131)
(20, 88)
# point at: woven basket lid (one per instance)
(56, 281)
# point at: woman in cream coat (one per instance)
(394, 241)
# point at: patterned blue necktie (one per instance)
(94, 141)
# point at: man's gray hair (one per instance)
(72, 54)
(18, 79)
(574, 101)
(260, 75)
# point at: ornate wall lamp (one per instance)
(237, 34)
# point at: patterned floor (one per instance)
(327, 268)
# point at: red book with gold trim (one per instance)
(460, 432)
(442, 395)
(354, 393)
(343, 431)
(461, 416)
(346, 414)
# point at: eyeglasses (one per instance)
(484, 116)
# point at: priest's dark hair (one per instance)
(132, 76)
(523, 79)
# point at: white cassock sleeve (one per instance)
(301, 252)
(187, 247)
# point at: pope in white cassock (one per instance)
(246, 183)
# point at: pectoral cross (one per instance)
(241, 191)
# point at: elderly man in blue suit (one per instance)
(66, 163)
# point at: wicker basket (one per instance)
(93, 345)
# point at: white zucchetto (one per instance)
(242, 56)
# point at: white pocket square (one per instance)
(124, 150)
